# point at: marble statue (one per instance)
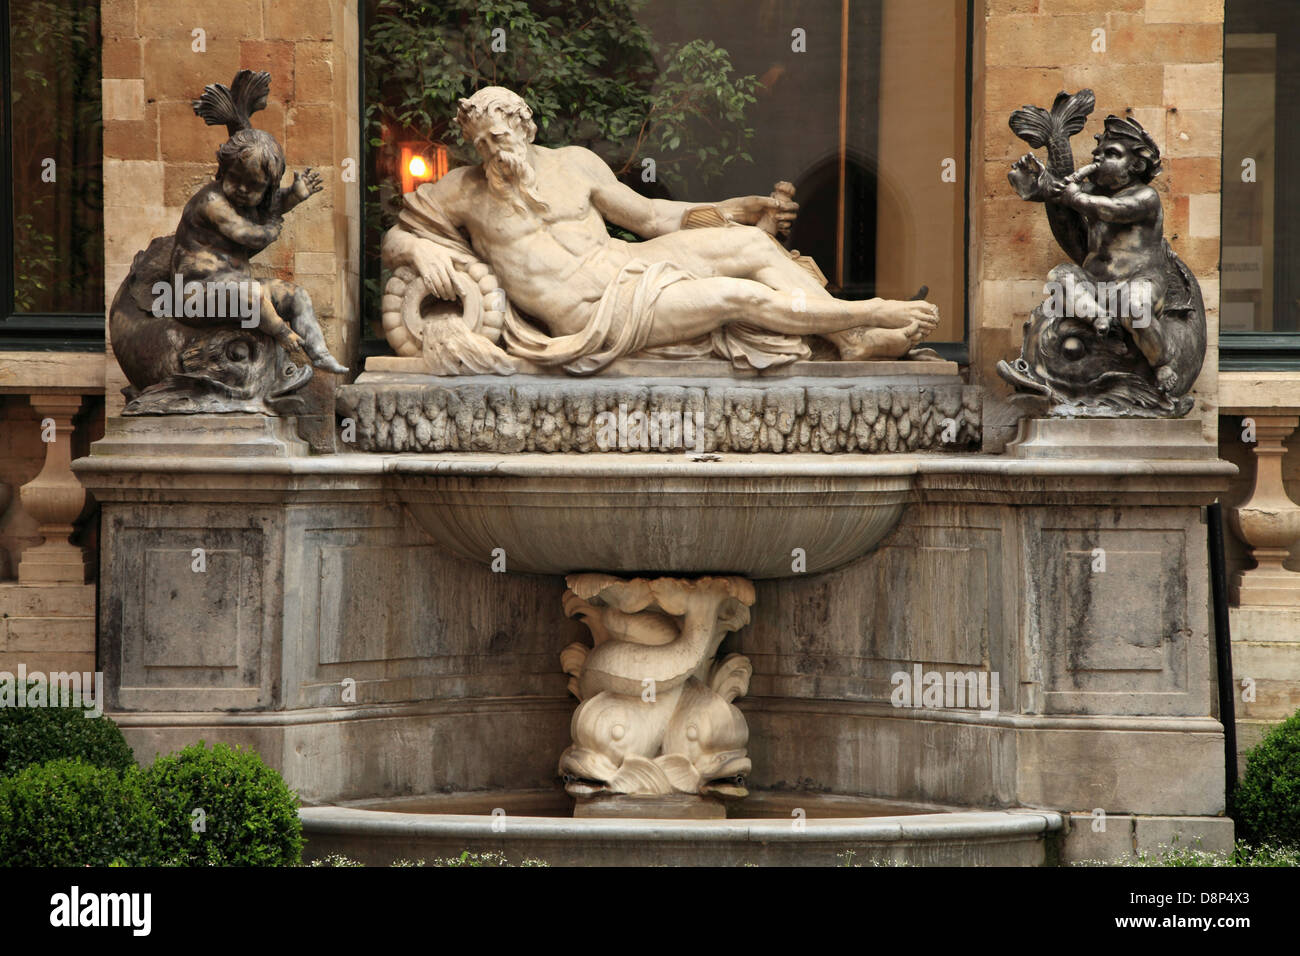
(657, 716)
(520, 243)
(191, 327)
(1122, 329)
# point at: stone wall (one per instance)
(1162, 64)
(157, 152)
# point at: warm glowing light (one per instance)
(421, 162)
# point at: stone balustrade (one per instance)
(51, 410)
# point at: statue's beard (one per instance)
(511, 177)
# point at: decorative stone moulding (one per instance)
(874, 411)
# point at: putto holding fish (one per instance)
(1122, 331)
(191, 326)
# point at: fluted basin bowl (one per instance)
(761, 516)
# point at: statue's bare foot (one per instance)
(863, 344)
(329, 364)
(1166, 378)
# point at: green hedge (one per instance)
(1266, 807)
(249, 817)
(69, 813)
(72, 795)
(34, 735)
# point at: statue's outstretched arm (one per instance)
(624, 206)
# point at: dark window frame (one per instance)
(35, 331)
(1255, 351)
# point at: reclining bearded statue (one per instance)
(541, 276)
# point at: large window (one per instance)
(1259, 313)
(862, 105)
(51, 204)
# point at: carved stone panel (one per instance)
(1117, 614)
(188, 614)
(931, 594)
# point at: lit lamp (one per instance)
(422, 164)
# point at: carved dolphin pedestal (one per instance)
(656, 733)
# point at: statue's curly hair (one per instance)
(258, 147)
(1130, 133)
(496, 99)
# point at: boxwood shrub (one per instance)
(70, 813)
(249, 817)
(1266, 807)
(33, 735)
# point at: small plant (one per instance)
(466, 858)
(1266, 806)
(846, 859)
(70, 813)
(1243, 854)
(486, 858)
(34, 735)
(224, 807)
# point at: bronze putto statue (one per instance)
(1121, 331)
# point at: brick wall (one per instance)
(157, 152)
(1163, 65)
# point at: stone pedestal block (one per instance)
(1112, 438)
(201, 436)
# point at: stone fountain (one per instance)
(750, 527)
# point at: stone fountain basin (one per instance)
(659, 515)
(777, 829)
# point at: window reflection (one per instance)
(1261, 252)
(52, 109)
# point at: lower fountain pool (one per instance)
(772, 828)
